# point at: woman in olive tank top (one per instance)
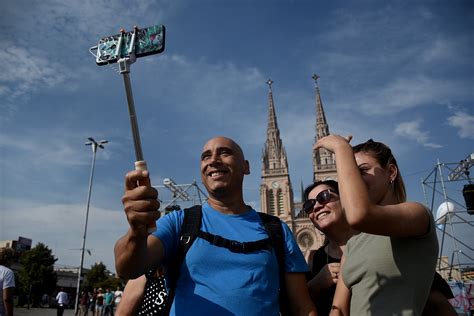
(387, 268)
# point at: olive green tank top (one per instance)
(388, 275)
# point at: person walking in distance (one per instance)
(84, 303)
(108, 303)
(99, 303)
(117, 296)
(62, 299)
(7, 282)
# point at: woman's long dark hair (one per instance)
(384, 156)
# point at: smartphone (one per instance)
(148, 41)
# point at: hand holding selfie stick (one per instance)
(124, 48)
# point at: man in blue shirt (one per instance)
(212, 280)
(108, 303)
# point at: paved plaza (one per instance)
(40, 312)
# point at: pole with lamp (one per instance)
(94, 145)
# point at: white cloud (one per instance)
(61, 228)
(395, 69)
(27, 71)
(439, 50)
(34, 64)
(214, 85)
(464, 122)
(79, 19)
(453, 50)
(45, 150)
(212, 92)
(412, 130)
(408, 93)
(39, 158)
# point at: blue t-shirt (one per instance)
(215, 281)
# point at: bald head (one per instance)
(222, 139)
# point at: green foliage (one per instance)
(111, 283)
(96, 276)
(100, 277)
(37, 274)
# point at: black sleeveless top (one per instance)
(323, 302)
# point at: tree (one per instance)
(100, 277)
(37, 275)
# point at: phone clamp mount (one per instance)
(124, 49)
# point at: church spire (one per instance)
(274, 155)
(276, 194)
(324, 164)
(322, 128)
(272, 121)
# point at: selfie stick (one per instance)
(124, 68)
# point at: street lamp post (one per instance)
(94, 146)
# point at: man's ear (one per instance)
(246, 167)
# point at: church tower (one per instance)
(324, 167)
(324, 164)
(276, 193)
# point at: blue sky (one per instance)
(398, 72)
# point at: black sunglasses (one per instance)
(323, 198)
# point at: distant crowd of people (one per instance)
(99, 303)
(94, 303)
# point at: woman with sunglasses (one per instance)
(387, 268)
(321, 203)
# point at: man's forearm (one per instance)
(130, 255)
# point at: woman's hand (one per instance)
(325, 278)
(328, 274)
(333, 142)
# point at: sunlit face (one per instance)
(223, 167)
(323, 216)
(376, 178)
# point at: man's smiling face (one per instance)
(223, 167)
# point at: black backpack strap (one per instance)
(237, 246)
(189, 232)
(274, 230)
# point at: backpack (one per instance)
(190, 230)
